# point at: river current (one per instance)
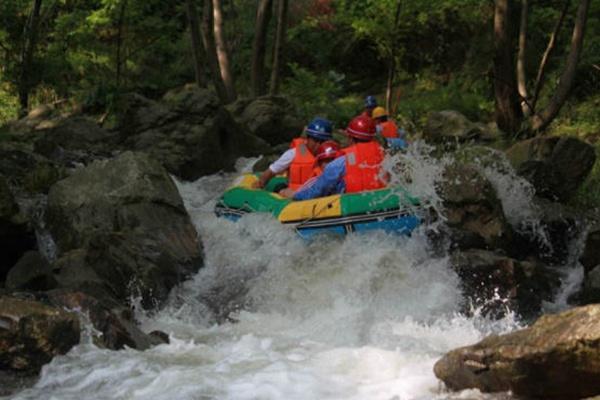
(273, 317)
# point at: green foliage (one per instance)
(588, 195)
(8, 106)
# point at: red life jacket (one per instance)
(301, 168)
(363, 167)
(389, 129)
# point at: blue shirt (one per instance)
(330, 182)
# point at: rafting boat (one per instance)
(390, 209)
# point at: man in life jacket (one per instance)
(299, 160)
(359, 169)
(327, 152)
(370, 104)
(388, 129)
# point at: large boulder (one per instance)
(32, 333)
(556, 166)
(128, 219)
(16, 236)
(76, 140)
(555, 358)
(471, 205)
(272, 118)
(449, 126)
(498, 283)
(190, 132)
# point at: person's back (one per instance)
(363, 167)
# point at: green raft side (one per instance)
(377, 200)
(253, 200)
(275, 182)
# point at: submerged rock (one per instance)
(555, 358)
(556, 166)
(32, 333)
(500, 284)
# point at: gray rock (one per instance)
(32, 333)
(556, 166)
(272, 118)
(31, 272)
(449, 126)
(498, 283)
(128, 219)
(471, 204)
(555, 358)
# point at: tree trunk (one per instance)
(263, 16)
(282, 12)
(508, 113)
(542, 120)
(211, 51)
(119, 61)
(197, 50)
(521, 75)
(30, 41)
(539, 79)
(392, 61)
(222, 50)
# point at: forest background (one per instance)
(325, 55)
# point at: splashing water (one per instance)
(273, 317)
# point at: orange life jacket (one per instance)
(301, 168)
(389, 129)
(363, 167)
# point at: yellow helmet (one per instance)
(379, 112)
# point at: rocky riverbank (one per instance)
(90, 218)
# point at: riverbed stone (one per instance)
(555, 358)
(32, 333)
(556, 165)
(449, 125)
(31, 272)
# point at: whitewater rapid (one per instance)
(273, 317)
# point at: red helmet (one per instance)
(328, 150)
(361, 127)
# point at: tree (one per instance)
(30, 36)
(392, 60)
(263, 16)
(223, 51)
(279, 46)
(197, 49)
(509, 116)
(211, 51)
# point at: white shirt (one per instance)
(283, 162)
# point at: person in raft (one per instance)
(358, 169)
(299, 161)
(327, 152)
(388, 129)
(370, 104)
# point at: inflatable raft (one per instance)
(390, 209)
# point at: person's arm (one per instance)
(277, 167)
(326, 183)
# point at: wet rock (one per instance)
(271, 118)
(449, 126)
(590, 292)
(128, 218)
(76, 140)
(32, 333)
(471, 205)
(32, 272)
(16, 236)
(556, 166)
(590, 257)
(114, 322)
(498, 283)
(189, 132)
(160, 337)
(555, 358)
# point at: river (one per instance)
(272, 317)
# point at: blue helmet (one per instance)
(320, 129)
(370, 102)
